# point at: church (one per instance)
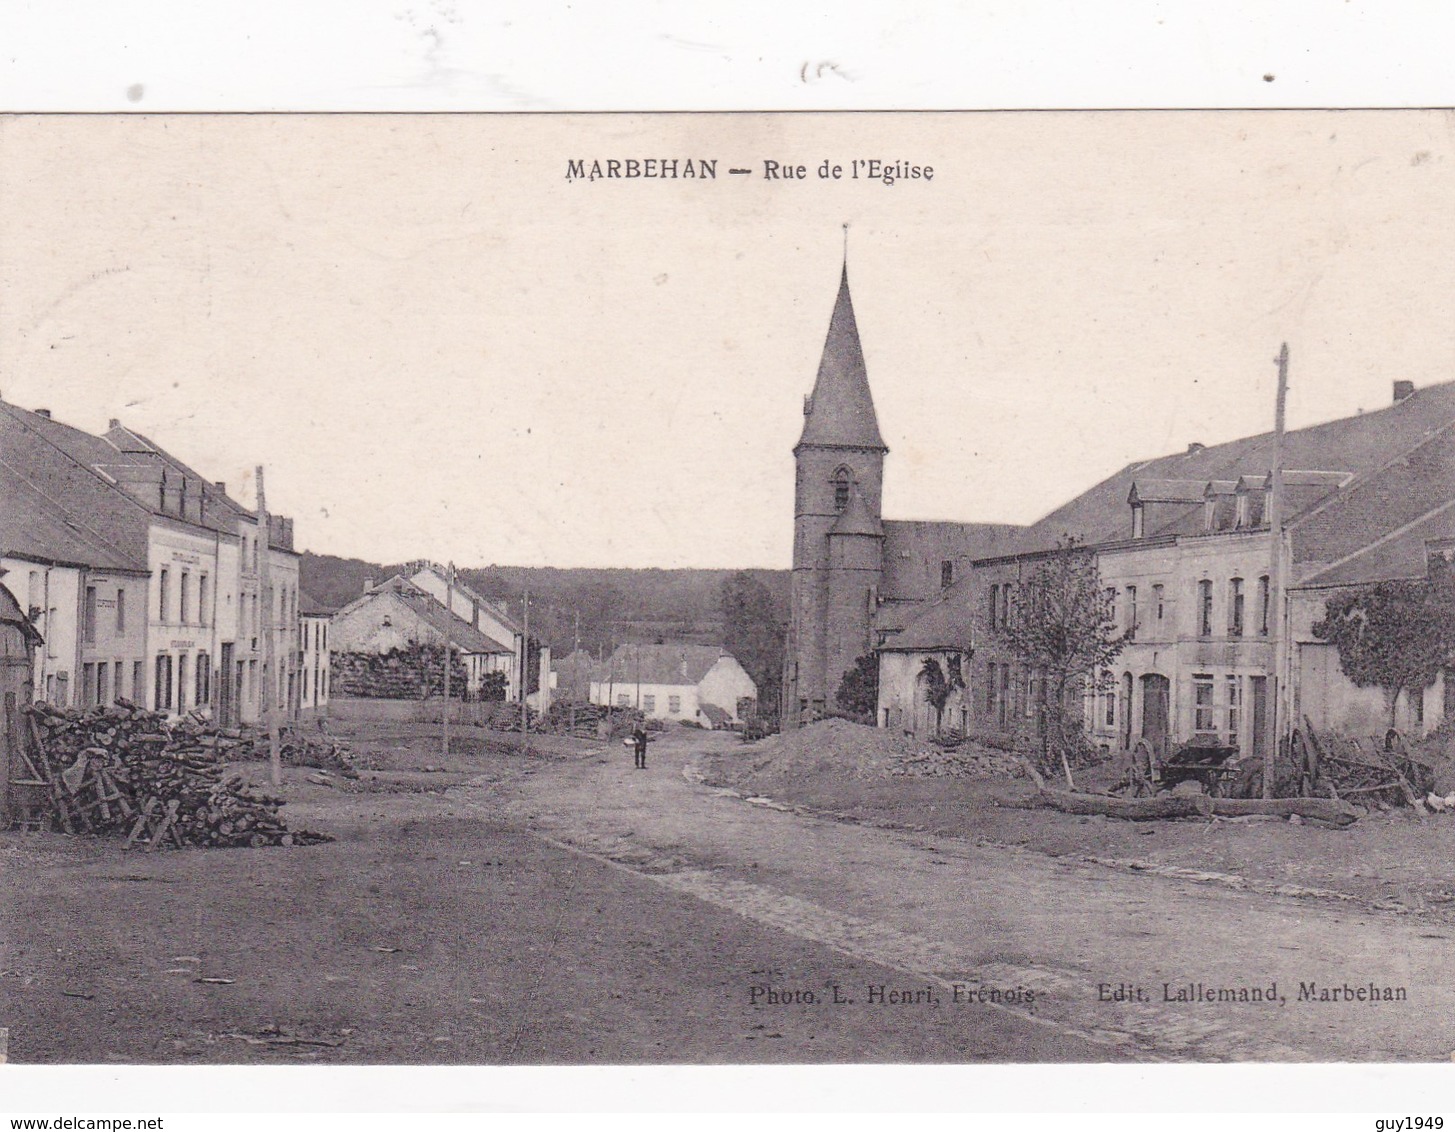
(858, 578)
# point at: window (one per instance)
(1204, 608)
(138, 681)
(841, 489)
(1235, 709)
(202, 599)
(162, 580)
(1110, 596)
(995, 606)
(1235, 607)
(1109, 694)
(1263, 603)
(1202, 700)
(184, 598)
(162, 697)
(947, 574)
(88, 684)
(103, 682)
(649, 703)
(120, 612)
(1158, 599)
(674, 704)
(50, 637)
(89, 617)
(1005, 605)
(182, 662)
(623, 699)
(1138, 523)
(1131, 611)
(1003, 704)
(204, 679)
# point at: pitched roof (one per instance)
(659, 664)
(431, 612)
(840, 411)
(12, 614)
(36, 527)
(497, 609)
(1403, 553)
(942, 624)
(1353, 446)
(308, 607)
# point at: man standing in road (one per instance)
(639, 742)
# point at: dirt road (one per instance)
(1134, 964)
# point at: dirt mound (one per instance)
(852, 750)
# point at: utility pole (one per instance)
(1278, 644)
(265, 599)
(449, 619)
(525, 674)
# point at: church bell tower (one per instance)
(838, 538)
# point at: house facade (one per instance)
(313, 659)
(699, 684)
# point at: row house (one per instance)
(203, 608)
(1183, 548)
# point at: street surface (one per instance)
(563, 907)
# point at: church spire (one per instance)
(840, 412)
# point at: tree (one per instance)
(753, 632)
(940, 685)
(1395, 636)
(1062, 625)
(858, 692)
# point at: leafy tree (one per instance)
(753, 632)
(1062, 625)
(858, 692)
(940, 685)
(1395, 636)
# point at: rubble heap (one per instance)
(124, 770)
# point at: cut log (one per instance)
(1160, 809)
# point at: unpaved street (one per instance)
(946, 911)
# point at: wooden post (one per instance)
(1277, 645)
(525, 675)
(450, 614)
(265, 599)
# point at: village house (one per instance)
(89, 595)
(202, 615)
(397, 616)
(699, 684)
(487, 617)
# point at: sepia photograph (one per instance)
(905, 588)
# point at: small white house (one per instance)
(696, 683)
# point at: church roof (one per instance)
(840, 412)
(857, 518)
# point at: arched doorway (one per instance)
(1156, 711)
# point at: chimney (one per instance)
(46, 413)
(1403, 389)
(368, 584)
(1194, 448)
(114, 423)
(221, 486)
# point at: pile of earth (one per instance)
(852, 750)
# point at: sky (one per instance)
(440, 347)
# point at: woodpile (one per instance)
(1161, 808)
(300, 746)
(582, 720)
(415, 673)
(123, 770)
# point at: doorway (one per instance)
(1156, 711)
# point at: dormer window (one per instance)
(842, 481)
(1138, 528)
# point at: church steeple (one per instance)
(840, 411)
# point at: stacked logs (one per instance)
(124, 770)
(298, 746)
